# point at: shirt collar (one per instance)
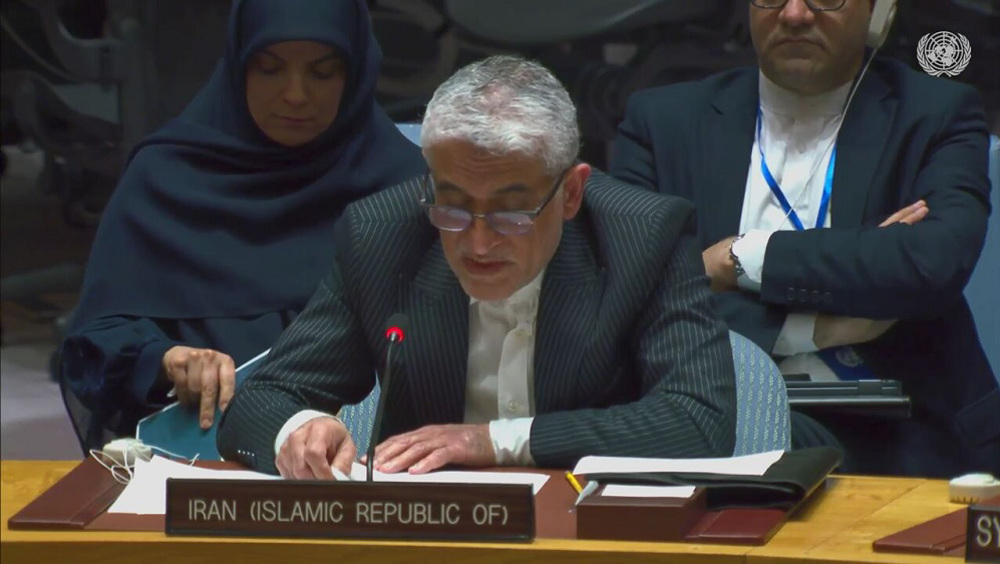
(781, 101)
(525, 295)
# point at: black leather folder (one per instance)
(786, 483)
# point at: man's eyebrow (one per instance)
(448, 187)
(516, 188)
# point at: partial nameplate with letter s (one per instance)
(982, 537)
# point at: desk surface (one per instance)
(838, 525)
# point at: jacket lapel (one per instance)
(860, 144)
(567, 316)
(726, 139)
(437, 353)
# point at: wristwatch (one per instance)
(736, 260)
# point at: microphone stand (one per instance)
(380, 410)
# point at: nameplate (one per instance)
(286, 508)
(982, 536)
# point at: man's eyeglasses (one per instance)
(814, 5)
(456, 220)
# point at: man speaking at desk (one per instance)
(553, 314)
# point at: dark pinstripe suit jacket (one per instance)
(629, 358)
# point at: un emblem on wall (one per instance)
(944, 52)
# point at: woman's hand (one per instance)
(202, 376)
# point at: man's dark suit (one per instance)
(906, 136)
(629, 357)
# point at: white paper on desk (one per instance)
(146, 493)
(359, 474)
(620, 490)
(749, 465)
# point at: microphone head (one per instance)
(395, 328)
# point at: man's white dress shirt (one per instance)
(797, 136)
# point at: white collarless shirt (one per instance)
(797, 137)
(500, 378)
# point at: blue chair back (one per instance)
(983, 289)
(411, 131)
(762, 416)
(359, 418)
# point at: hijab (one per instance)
(213, 219)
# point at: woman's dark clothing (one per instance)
(216, 236)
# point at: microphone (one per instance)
(395, 332)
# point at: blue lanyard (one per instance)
(824, 203)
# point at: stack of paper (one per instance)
(622, 490)
(359, 474)
(749, 465)
(146, 493)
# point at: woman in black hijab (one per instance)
(222, 223)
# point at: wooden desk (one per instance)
(838, 526)
(22, 481)
(854, 511)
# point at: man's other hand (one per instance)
(435, 446)
(310, 450)
(911, 214)
(719, 265)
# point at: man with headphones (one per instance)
(842, 205)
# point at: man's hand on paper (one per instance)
(435, 446)
(201, 376)
(310, 451)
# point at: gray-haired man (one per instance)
(548, 322)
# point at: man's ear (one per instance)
(573, 186)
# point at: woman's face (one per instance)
(294, 90)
